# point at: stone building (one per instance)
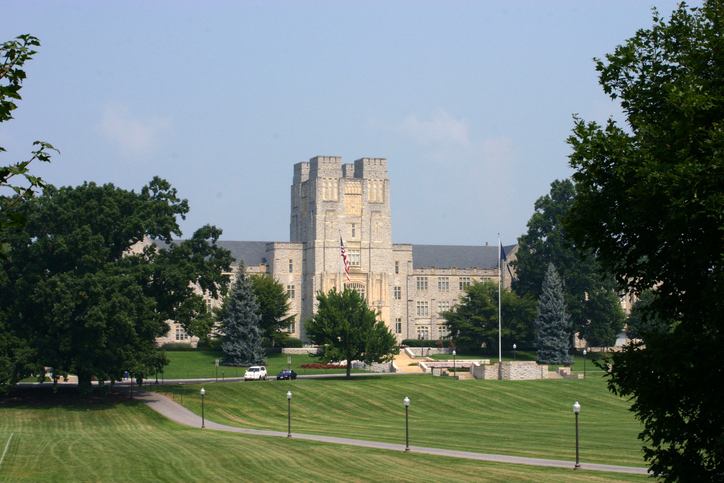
(409, 285)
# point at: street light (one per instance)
(576, 410)
(203, 391)
(584, 363)
(454, 365)
(289, 414)
(514, 351)
(407, 424)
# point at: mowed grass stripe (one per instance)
(126, 442)
(521, 418)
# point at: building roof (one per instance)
(252, 252)
(447, 256)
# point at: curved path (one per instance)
(175, 412)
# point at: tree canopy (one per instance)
(591, 298)
(650, 205)
(347, 329)
(77, 297)
(473, 323)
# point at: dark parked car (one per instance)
(287, 374)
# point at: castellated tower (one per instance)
(352, 201)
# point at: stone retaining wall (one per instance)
(510, 371)
(302, 350)
(383, 367)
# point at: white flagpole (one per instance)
(500, 306)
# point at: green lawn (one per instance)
(128, 442)
(201, 364)
(522, 418)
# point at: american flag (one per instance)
(344, 259)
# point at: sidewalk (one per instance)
(177, 413)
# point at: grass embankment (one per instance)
(126, 441)
(522, 418)
(202, 364)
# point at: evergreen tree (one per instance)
(240, 326)
(553, 322)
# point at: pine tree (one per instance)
(553, 323)
(240, 326)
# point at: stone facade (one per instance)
(409, 285)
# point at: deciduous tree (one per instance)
(80, 301)
(473, 323)
(274, 308)
(650, 204)
(347, 329)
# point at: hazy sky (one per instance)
(470, 102)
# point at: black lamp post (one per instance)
(407, 425)
(584, 363)
(455, 374)
(289, 414)
(576, 410)
(514, 347)
(203, 425)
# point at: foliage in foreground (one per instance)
(650, 203)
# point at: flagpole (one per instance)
(500, 306)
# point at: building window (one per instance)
(290, 291)
(398, 325)
(354, 260)
(464, 282)
(443, 284)
(422, 309)
(354, 231)
(291, 265)
(208, 305)
(181, 333)
(421, 283)
(423, 332)
(443, 331)
(398, 293)
(443, 306)
(291, 328)
(397, 267)
(360, 288)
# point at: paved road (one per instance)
(181, 415)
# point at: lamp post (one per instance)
(289, 414)
(514, 351)
(455, 374)
(407, 425)
(576, 410)
(203, 425)
(584, 363)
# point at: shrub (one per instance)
(292, 342)
(425, 342)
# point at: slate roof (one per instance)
(423, 256)
(447, 256)
(252, 252)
